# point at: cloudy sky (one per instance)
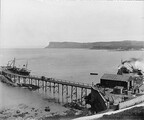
(34, 23)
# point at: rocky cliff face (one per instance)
(69, 45)
(119, 45)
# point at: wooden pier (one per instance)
(65, 91)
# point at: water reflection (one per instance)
(14, 96)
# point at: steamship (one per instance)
(11, 67)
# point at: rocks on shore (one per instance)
(47, 109)
(74, 105)
(23, 111)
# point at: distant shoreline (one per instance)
(99, 49)
(117, 46)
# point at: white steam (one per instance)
(133, 64)
(139, 65)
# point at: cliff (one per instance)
(114, 45)
(69, 45)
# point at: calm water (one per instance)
(67, 64)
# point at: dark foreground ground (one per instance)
(136, 113)
(24, 112)
(70, 114)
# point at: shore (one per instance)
(24, 111)
(28, 112)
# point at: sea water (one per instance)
(66, 64)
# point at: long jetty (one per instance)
(68, 91)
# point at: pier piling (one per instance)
(66, 91)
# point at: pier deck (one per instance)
(68, 89)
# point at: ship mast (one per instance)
(14, 62)
(26, 64)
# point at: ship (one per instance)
(12, 68)
(117, 91)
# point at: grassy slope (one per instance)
(136, 113)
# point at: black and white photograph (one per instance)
(71, 60)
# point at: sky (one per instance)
(35, 23)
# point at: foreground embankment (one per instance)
(136, 113)
(132, 113)
(23, 111)
(28, 112)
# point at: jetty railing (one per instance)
(63, 90)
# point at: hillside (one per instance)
(114, 45)
(136, 113)
(69, 45)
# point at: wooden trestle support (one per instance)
(65, 90)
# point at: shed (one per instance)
(118, 90)
(112, 80)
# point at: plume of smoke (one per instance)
(136, 59)
(140, 65)
(134, 64)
